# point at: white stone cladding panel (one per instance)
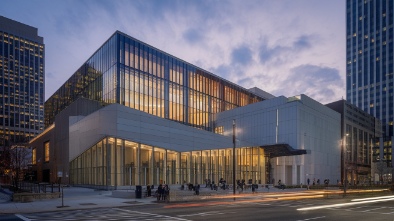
(122, 122)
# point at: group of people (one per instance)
(191, 187)
(162, 192)
(212, 185)
(326, 182)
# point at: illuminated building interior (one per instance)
(118, 162)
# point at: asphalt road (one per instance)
(228, 210)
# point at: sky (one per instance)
(284, 47)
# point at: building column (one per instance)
(107, 148)
(152, 171)
(191, 168)
(294, 172)
(165, 169)
(138, 167)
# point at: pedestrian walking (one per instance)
(308, 181)
(159, 192)
(148, 190)
(166, 192)
(197, 189)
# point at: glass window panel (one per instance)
(46, 151)
(130, 163)
(146, 167)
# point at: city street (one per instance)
(250, 209)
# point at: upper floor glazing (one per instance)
(132, 73)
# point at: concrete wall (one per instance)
(82, 106)
(41, 165)
(58, 138)
(300, 122)
(122, 122)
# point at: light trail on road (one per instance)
(373, 198)
(345, 204)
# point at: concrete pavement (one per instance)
(85, 198)
(74, 198)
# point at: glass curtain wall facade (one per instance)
(358, 154)
(21, 82)
(369, 58)
(132, 73)
(116, 162)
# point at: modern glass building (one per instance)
(132, 73)
(134, 115)
(129, 72)
(21, 82)
(369, 60)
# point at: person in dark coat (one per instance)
(197, 189)
(148, 190)
(160, 191)
(166, 192)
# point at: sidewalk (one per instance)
(74, 198)
(85, 198)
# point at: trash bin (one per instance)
(138, 192)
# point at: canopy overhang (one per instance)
(280, 150)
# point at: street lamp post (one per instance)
(234, 158)
(344, 152)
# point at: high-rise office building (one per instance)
(21, 82)
(369, 63)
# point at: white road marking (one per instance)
(373, 209)
(204, 214)
(319, 217)
(22, 217)
(152, 214)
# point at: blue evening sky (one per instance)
(285, 47)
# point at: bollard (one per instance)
(62, 197)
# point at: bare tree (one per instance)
(383, 171)
(20, 158)
(5, 162)
(14, 161)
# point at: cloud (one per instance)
(49, 75)
(303, 42)
(246, 81)
(279, 54)
(318, 82)
(241, 55)
(193, 36)
(258, 43)
(223, 71)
